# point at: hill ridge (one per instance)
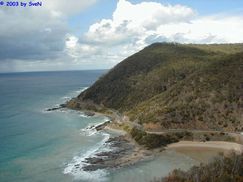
(142, 86)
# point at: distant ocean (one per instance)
(36, 145)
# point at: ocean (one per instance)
(36, 145)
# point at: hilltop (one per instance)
(171, 86)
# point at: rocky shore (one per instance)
(122, 150)
(123, 153)
(61, 106)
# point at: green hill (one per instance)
(174, 86)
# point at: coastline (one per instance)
(192, 149)
(126, 151)
(123, 152)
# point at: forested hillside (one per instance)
(170, 85)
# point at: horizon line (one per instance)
(44, 71)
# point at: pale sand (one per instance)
(204, 151)
(211, 144)
(115, 130)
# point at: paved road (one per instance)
(124, 119)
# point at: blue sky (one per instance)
(98, 34)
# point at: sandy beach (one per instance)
(228, 146)
(205, 151)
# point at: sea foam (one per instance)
(74, 168)
(91, 128)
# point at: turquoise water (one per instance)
(35, 145)
(45, 146)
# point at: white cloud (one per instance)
(134, 26)
(111, 40)
(150, 14)
(131, 21)
(205, 30)
(137, 22)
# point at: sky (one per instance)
(98, 34)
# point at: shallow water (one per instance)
(156, 168)
(45, 146)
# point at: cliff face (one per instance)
(174, 86)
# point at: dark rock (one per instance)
(93, 167)
(57, 108)
(120, 147)
(62, 105)
(94, 160)
(89, 113)
(102, 126)
(53, 109)
(103, 154)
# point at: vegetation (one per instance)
(177, 86)
(152, 141)
(174, 85)
(210, 98)
(221, 169)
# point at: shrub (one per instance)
(221, 169)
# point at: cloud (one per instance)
(31, 34)
(41, 38)
(36, 33)
(134, 26)
(149, 15)
(130, 21)
(211, 29)
(111, 40)
(137, 22)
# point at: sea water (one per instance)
(36, 145)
